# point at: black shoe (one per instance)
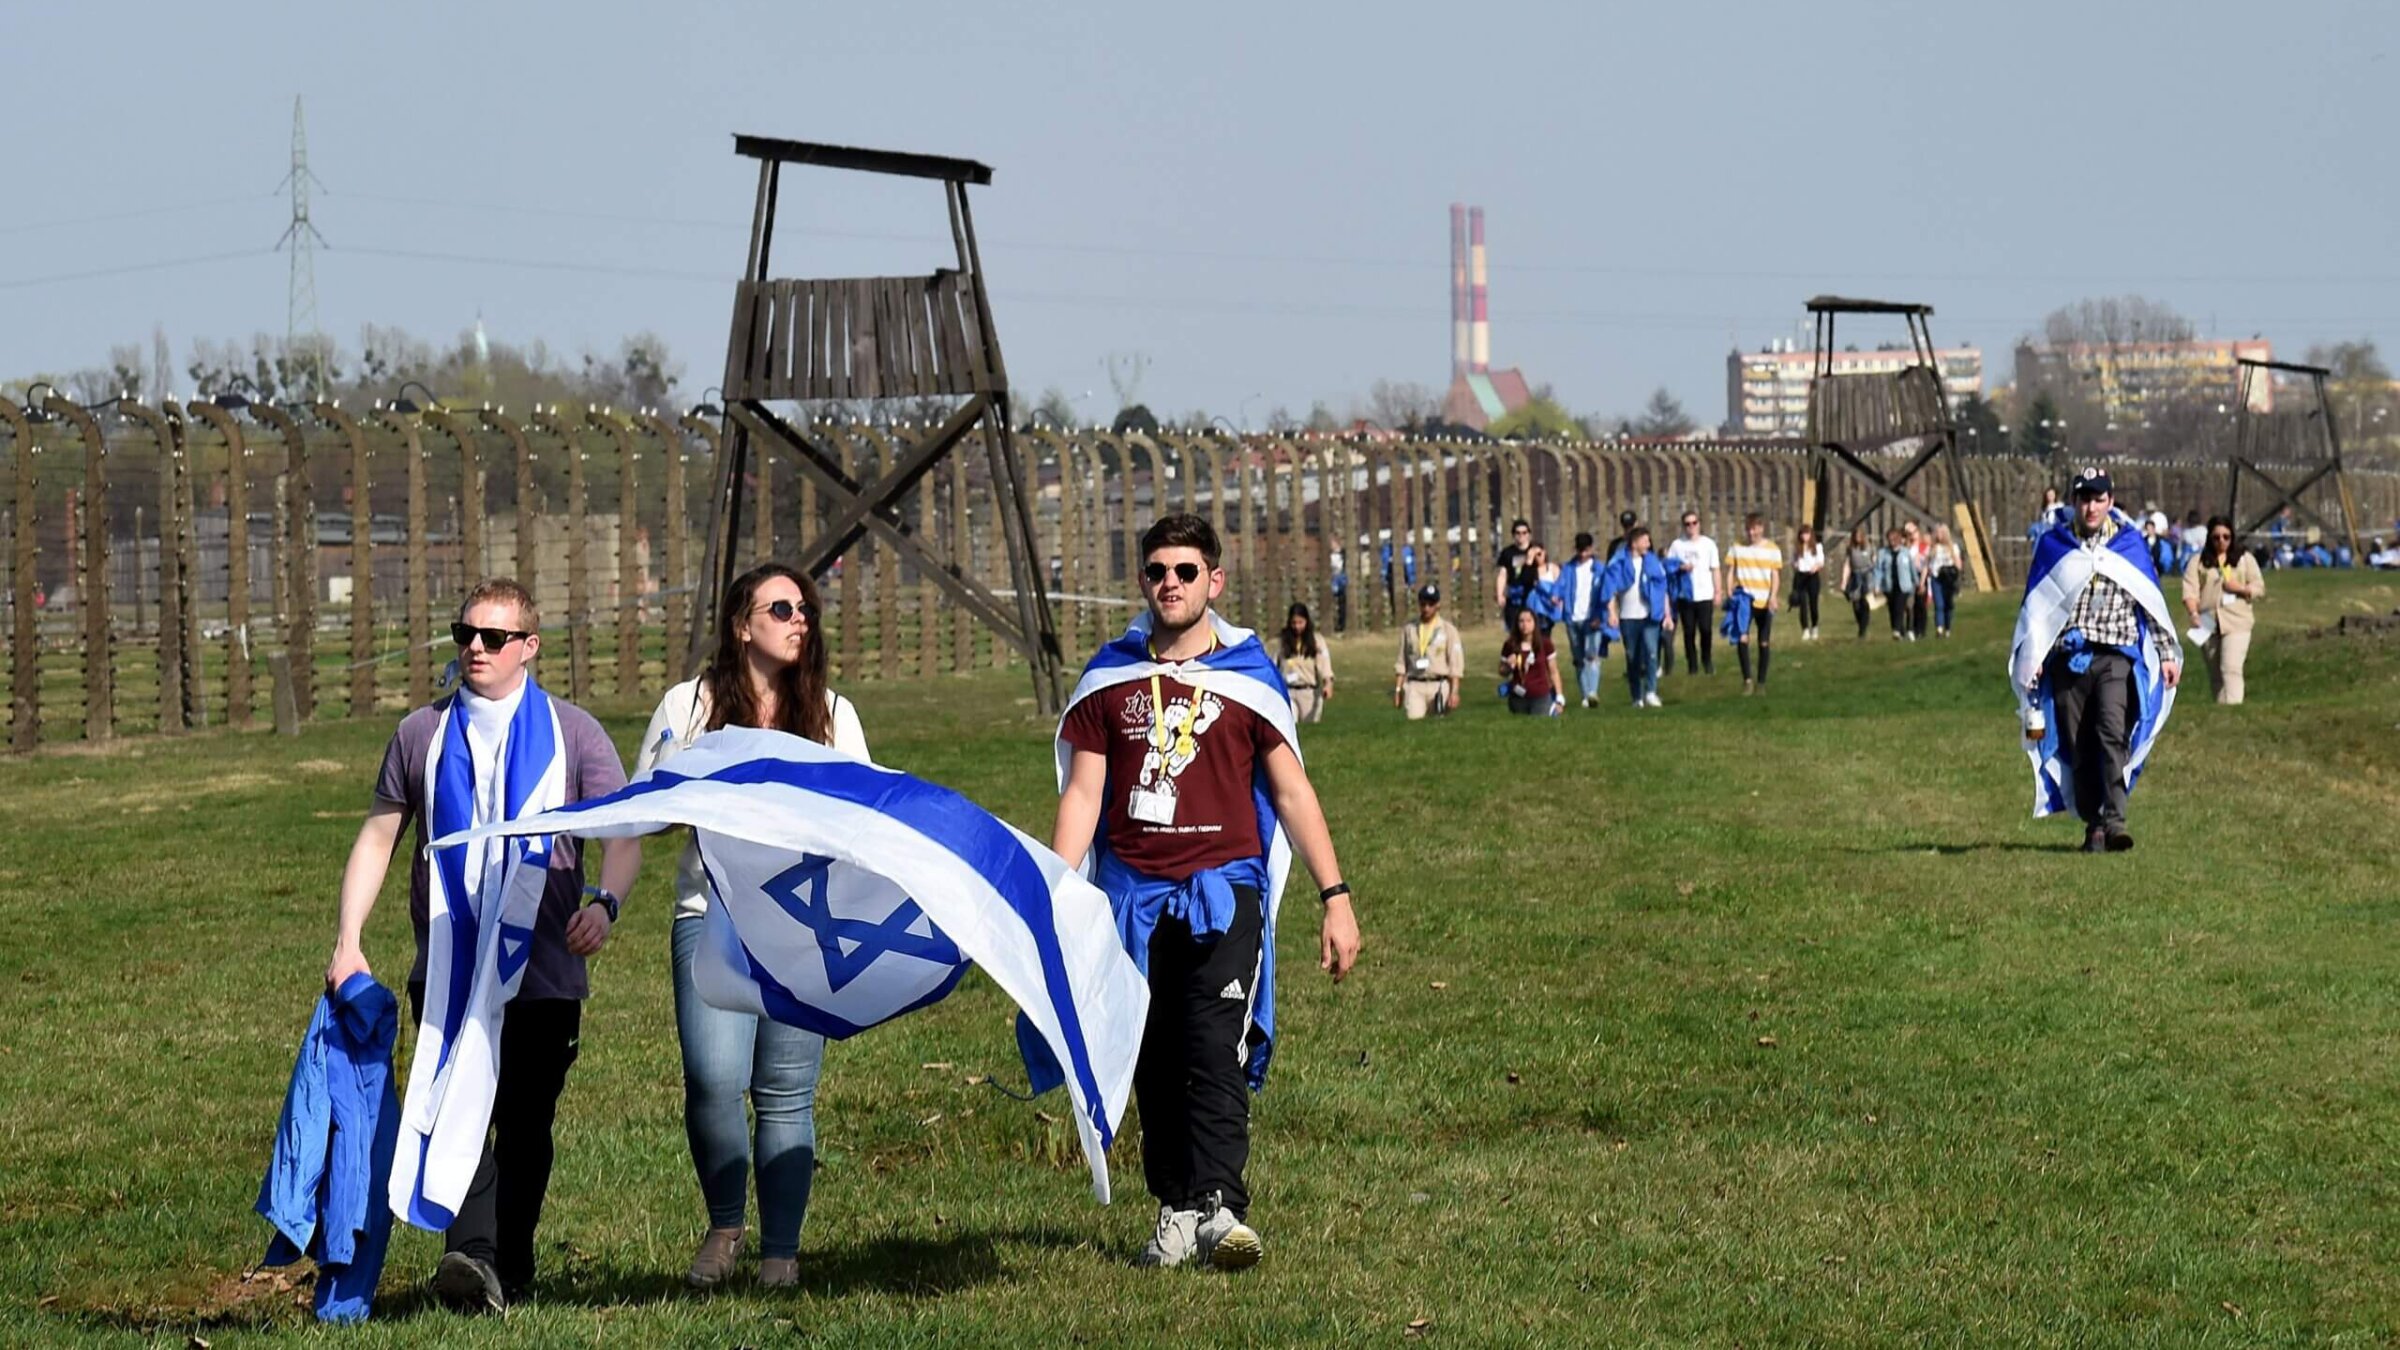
(2095, 840)
(464, 1284)
(2119, 841)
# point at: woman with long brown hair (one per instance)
(2220, 584)
(1306, 664)
(768, 671)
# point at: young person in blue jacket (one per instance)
(1635, 583)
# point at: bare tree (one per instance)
(125, 369)
(2115, 321)
(1402, 405)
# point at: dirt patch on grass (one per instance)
(147, 797)
(249, 1299)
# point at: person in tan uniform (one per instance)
(1433, 659)
(2220, 583)
(1305, 663)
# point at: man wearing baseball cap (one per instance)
(1625, 520)
(1433, 659)
(2095, 663)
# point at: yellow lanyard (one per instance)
(1184, 743)
(1426, 633)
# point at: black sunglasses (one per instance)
(783, 610)
(493, 638)
(1185, 572)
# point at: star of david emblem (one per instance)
(850, 946)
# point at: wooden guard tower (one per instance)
(1853, 414)
(876, 338)
(2246, 454)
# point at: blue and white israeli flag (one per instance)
(2063, 564)
(845, 894)
(482, 899)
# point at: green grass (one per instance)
(1746, 1021)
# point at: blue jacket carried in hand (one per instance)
(1735, 626)
(325, 1184)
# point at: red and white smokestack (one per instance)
(1479, 348)
(1458, 290)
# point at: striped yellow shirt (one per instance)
(1756, 567)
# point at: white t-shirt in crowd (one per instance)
(1810, 559)
(1579, 601)
(1700, 555)
(1631, 603)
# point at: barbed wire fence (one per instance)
(173, 567)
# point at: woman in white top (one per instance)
(1941, 565)
(1808, 580)
(768, 671)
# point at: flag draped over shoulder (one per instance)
(1239, 670)
(2062, 567)
(481, 902)
(844, 895)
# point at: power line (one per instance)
(173, 209)
(128, 269)
(536, 264)
(1352, 261)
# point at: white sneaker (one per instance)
(1177, 1239)
(1652, 700)
(1226, 1243)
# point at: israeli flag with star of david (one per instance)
(2063, 565)
(844, 894)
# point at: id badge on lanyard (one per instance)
(1155, 805)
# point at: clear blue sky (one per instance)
(1253, 195)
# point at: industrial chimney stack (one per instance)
(1479, 359)
(1458, 290)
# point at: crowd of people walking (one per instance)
(1649, 600)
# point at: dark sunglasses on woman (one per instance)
(1185, 572)
(493, 638)
(782, 611)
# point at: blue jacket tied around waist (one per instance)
(325, 1184)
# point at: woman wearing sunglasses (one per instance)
(768, 671)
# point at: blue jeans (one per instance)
(1584, 644)
(724, 1055)
(1943, 598)
(1641, 655)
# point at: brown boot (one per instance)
(779, 1272)
(715, 1259)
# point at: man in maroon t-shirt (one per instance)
(1168, 766)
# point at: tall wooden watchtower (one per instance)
(868, 338)
(2253, 447)
(1852, 414)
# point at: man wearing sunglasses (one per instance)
(1179, 776)
(1698, 554)
(507, 973)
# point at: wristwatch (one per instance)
(603, 896)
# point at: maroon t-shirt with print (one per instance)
(1208, 751)
(1528, 659)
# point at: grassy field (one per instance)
(1749, 1021)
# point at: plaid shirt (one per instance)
(2108, 617)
